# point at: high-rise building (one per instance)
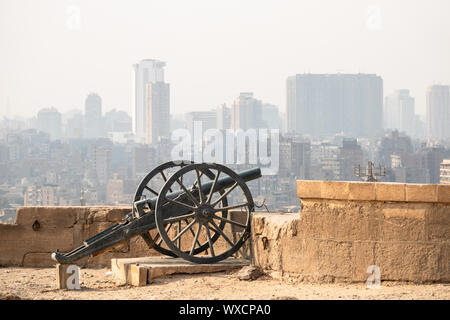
(246, 112)
(93, 124)
(157, 111)
(146, 71)
(438, 112)
(399, 112)
(270, 116)
(49, 121)
(326, 104)
(223, 117)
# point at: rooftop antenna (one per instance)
(369, 174)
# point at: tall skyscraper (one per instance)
(49, 121)
(399, 112)
(223, 117)
(326, 104)
(146, 71)
(246, 112)
(438, 112)
(93, 124)
(157, 111)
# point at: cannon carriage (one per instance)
(190, 206)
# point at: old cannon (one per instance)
(191, 212)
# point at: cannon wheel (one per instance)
(203, 211)
(146, 184)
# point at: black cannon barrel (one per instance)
(222, 183)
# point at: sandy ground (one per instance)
(40, 283)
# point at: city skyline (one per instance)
(261, 65)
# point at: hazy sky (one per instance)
(213, 49)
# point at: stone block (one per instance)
(409, 261)
(361, 191)
(130, 271)
(337, 190)
(363, 256)
(309, 189)
(390, 191)
(138, 275)
(67, 273)
(443, 191)
(438, 223)
(421, 192)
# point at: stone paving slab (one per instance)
(142, 271)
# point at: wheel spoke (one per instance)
(200, 191)
(232, 207)
(165, 179)
(212, 187)
(221, 233)
(180, 204)
(181, 232)
(195, 238)
(179, 218)
(151, 190)
(192, 231)
(167, 230)
(201, 175)
(225, 194)
(209, 240)
(188, 193)
(230, 221)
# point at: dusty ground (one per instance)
(40, 283)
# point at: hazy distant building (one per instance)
(93, 124)
(102, 163)
(399, 112)
(246, 112)
(270, 116)
(325, 104)
(75, 126)
(325, 161)
(351, 155)
(146, 71)
(445, 171)
(438, 112)
(49, 121)
(294, 158)
(208, 120)
(392, 143)
(117, 121)
(157, 111)
(223, 117)
(114, 191)
(143, 160)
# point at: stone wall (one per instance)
(62, 228)
(345, 227)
